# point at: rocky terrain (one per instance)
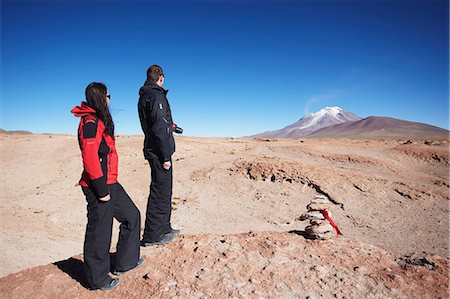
(251, 265)
(238, 203)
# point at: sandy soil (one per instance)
(393, 194)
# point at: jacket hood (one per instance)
(148, 86)
(82, 110)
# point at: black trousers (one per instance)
(97, 241)
(159, 205)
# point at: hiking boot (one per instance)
(175, 232)
(111, 285)
(167, 238)
(139, 263)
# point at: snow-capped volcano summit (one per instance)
(312, 122)
(325, 117)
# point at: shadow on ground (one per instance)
(301, 233)
(74, 267)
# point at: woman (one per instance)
(105, 197)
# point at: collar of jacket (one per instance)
(153, 85)
(82, 110)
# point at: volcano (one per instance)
(312, 122)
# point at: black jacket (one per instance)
(156, 121)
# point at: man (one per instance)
(159, 145)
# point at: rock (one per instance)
(312, 215)
(416, 260)
(316, 222)
(320, 199)
(322, 236)
(319, 229)
(318, 206)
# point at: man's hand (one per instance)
(167, 165)
(105, 198)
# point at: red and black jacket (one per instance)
(98, 151)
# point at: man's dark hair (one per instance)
(154, 72)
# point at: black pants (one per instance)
(97, 241)
(159, 205)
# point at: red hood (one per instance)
(82, 110)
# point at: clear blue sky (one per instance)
(233, 68)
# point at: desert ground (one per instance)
(391, 196)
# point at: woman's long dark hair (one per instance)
(96, 99)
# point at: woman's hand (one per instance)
(167, 165)
(105, 198)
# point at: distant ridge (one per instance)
(377, 127)
(15, 132)
(312, 122)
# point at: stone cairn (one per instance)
(320, 224)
